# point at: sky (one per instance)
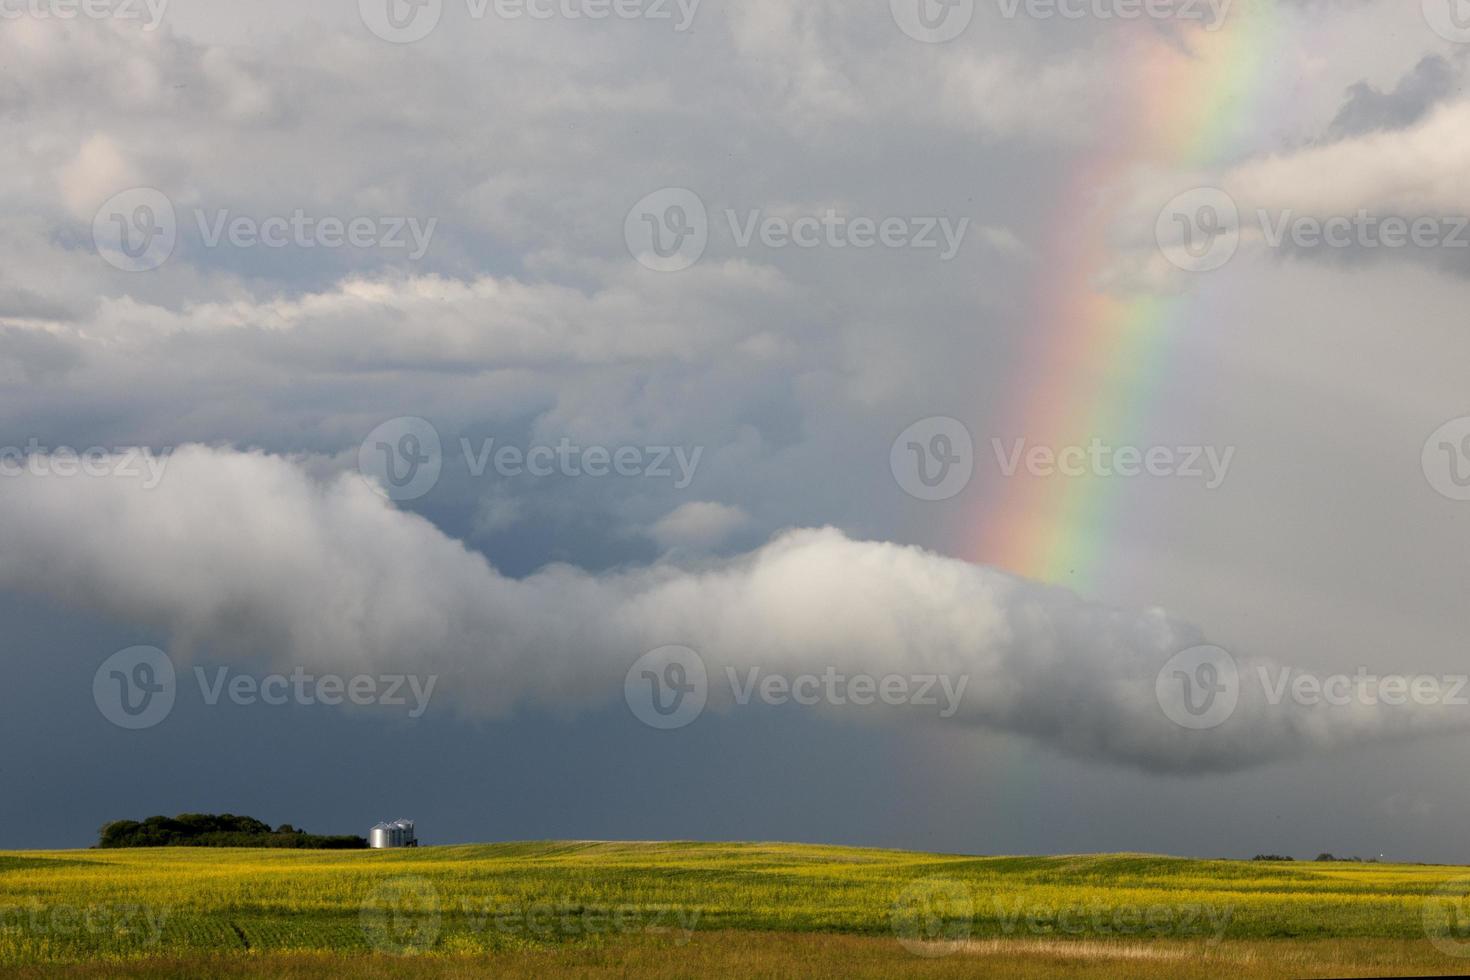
(988, 426)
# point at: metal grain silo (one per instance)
(399, 833)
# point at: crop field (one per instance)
(610, 909)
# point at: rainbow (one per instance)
(1186, 99)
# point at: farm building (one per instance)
(399, 833)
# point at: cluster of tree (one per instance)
(1328, 857)
(1320, 857)
(215, 830)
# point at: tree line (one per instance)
(216, 830)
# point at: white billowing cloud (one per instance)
(98, 171)
(1411, 173)
(699, 524)
(428, 319)
(1416, 171)
(252, 556)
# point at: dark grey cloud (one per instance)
(1367, 108)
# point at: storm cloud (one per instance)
(248, 556)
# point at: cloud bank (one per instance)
(250, 556)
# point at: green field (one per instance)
(594, 909)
